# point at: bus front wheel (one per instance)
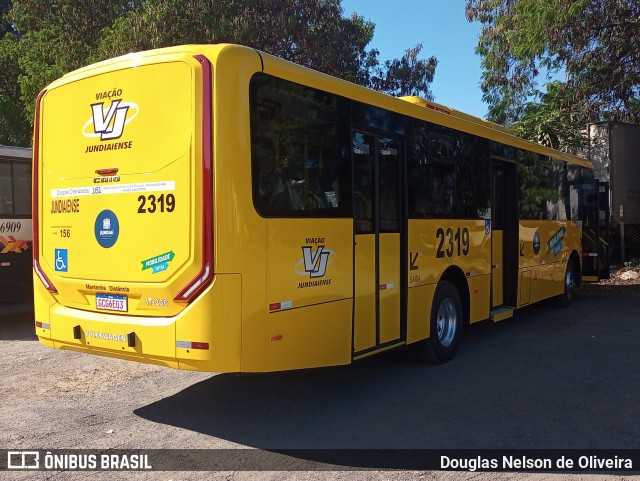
(446, 325)
(570, 284)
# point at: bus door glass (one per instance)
(376, 204)
(588, 211)
(604, 214)
(504, 235)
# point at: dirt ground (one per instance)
(549, 378)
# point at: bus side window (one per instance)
(6, 189)
(296, 162)
(22, 189)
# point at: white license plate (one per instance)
(111, 302)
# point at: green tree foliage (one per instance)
(48, 38)
(594, 44)
(40, 40)
(406, 76)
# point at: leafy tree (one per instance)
(406, 76)
(40, 40)
(47, 39)
(595, 44)
(5, 24)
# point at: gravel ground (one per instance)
(549, 378)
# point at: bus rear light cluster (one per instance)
(204, 277)
(36, 201)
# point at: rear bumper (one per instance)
(205, 336)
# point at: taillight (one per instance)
(35, 196)
(204, 277)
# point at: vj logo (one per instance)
(315, 263)
(109, 125)
(108, 122)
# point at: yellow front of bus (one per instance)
(123, 215)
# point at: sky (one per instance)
(443, 30)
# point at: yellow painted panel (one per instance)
(497, 274)
(313, 336)
(309, 261)
(389, 287)
(525, 287)
(364, 321)
(545, 247)
(434, 245)
(547, 281)
(419, 312)
(547, 242)
(479, 295)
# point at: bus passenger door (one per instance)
(504, 239)
(377, 239)
(594, 230)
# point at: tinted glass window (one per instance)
(448, 173)
(6, 189)
(299, 167)
(22, 188)
(541, 187)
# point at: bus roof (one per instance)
(515, 141)
(412, 106)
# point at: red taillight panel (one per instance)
(36, 200)
(204, 277)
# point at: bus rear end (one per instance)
(122, 206)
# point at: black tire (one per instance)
(565, 299)
(446, 323)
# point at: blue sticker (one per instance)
(61, 260)
(487, 226)
(107, 228)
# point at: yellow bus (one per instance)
(214, 208)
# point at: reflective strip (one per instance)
(281, 305)
(192, 345)
(593, 254)
(383, 287)
(5, 264)
(471, 274)
(43, 325)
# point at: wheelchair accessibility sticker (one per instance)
(61, 264)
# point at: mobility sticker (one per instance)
(107, 228)
(61, 260)
(158, 263)
(555, 242)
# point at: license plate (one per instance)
(111, 302)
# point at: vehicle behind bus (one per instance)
(16, 281)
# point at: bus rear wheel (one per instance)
(446, 326)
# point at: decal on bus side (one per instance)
(460, 239)
(314, 263)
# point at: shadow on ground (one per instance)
(549, 378)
